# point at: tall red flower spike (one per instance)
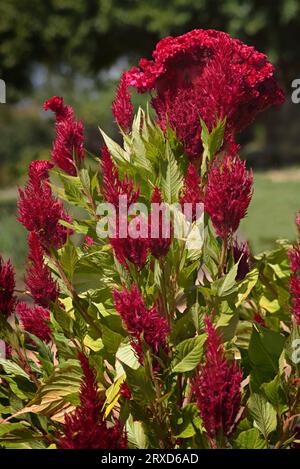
(39, 210)
(86, 428)
(228, 194)
(34, 320)
(112, 186)
(140, 321)
(160, 245)
(38, 280)
(122, 107)
(68, 150)
(7, 288)
(191, 192)
(294, 255)
(206, 73)
(217, 387)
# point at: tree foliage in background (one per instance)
(84, 37)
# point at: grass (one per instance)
(272, 211)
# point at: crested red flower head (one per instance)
(140, 321)
(207, 74)
(228, 194)
(191, 192)
(122, 107)
(38, 280)
(34, 320)
(68, 150)
(86, 428)
(217, 387)
(160, 236)
(39, 210)
(7, 288)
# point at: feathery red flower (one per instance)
(140, 321)
(112, 187)
(126, 248)
(85, 428)
(122, 107)
(191, 192)
(217, 387)
(160, 226)
(68, 150)
(228, 194)
(125, 391)
(38, 280)
(39, 210)
(134, 250)
(7, 288)
(206, 73)
(294, 255)
(34, 320)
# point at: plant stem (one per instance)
(223, 255)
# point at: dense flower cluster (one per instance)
(294, 255)
(34, 320)
(122, 107)
(39, 210)
(68, 148)
(191, 192)
(86, 428)
(7, 287)
(141, 322)
(228, 194)
(38, 280)
(217, 387)
(206, 73)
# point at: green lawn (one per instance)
(272, 211)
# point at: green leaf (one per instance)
(263, 414)
(171, 177)
(11, 368)
(227, 284)
(140, 384)
(135, 434)
(111, 340)
(246, 286)
(250, 439)
(264, 351)
(188, 354)
(116, 151)
(127, 355)
(274, 393)
(68, 259)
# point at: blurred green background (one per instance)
(78, 49)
